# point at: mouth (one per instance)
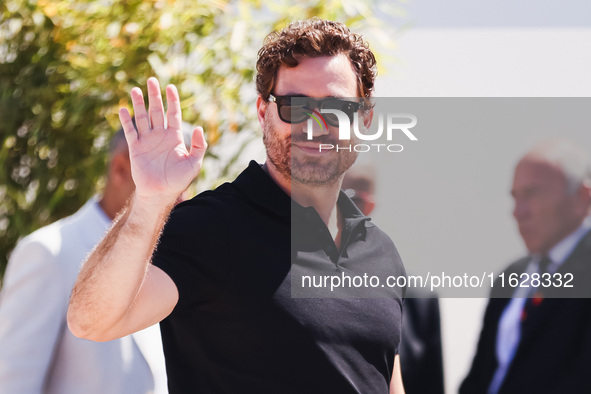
(313, 149)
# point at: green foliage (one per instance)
(67, 66)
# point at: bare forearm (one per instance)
(118, 292)
(112, 276)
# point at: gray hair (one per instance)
(572, 160)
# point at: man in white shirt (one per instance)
(38, 354)
(537, 339)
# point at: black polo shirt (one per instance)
(237, 328)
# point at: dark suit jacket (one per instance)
(554, 354)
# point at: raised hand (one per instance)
(161, 166)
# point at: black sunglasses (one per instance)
(297, 109)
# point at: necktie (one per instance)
(536, 296)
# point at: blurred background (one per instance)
(485, 48)
(67, 66)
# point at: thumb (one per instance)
(198, 144)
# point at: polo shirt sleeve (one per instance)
(193, 250)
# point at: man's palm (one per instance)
(161, 166)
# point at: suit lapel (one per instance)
(577, 265)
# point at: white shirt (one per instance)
(38, 354)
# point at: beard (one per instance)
(315, 170)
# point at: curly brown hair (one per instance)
(313, 38)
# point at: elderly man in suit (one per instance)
(38, 354)
(539, 340)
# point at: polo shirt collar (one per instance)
(349, 209)
(351, 213)
(261, 190)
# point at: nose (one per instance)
(315, 126)
(520, 209)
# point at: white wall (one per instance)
(487, 62)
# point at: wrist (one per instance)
(156, 207)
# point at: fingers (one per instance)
(154, 118)
(139, 109)
(173, 113)
(155, 106)
(198, 144)
(127, 124)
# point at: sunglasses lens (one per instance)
(292, 112)
(299, 109)
(297, 114)
(348, 107)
